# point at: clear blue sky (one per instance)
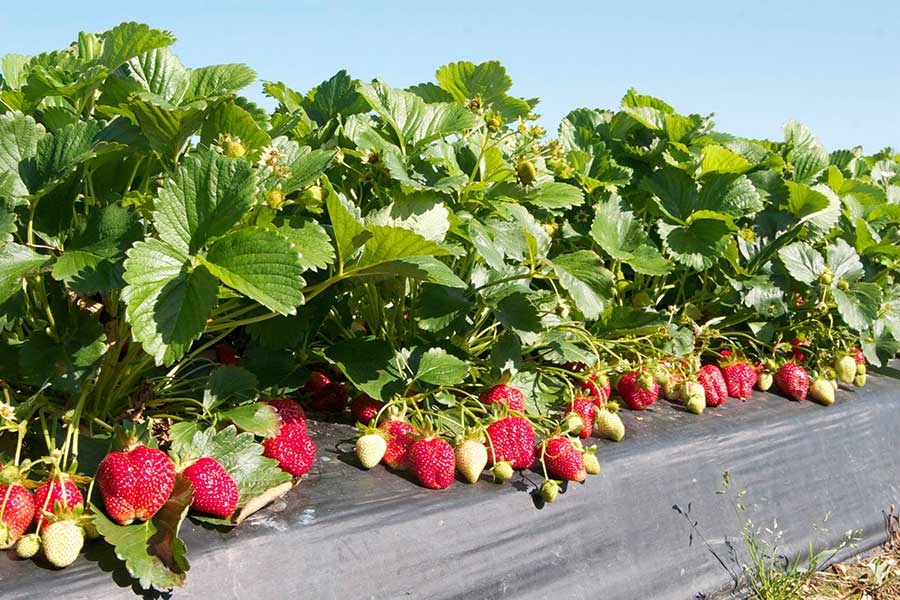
(834, 65)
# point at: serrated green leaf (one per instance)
(257, 418)
(310, 238)
(127, 40)
(808, 156)
(19, 138)
(413, 121)
(623, 237)
(166, 127)
(152, 551)
(67, 362)
(58, 154)
(349, 232)
(718, 159)
(422, 212)
(802, 261)
(422, 268)
(206, 197)
(488, 81)
(859, 305)
(157, 71)
(334, 97)
(843, 261)
(308, 166)
(228, 382)
(583, 275)
(699, 245)
(370, 365)
(261, 264)
(218, 80)
(391, 243)
(167, 302)
(16, 263)
(437, 367)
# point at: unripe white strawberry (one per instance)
(591, 463)
(370, 449)
(28, 545)
(694, 397)
(502, 471)
(764, 383)
(62, 541)
(549, 490)
(822, 391)
(845, 367)
(609, 424)
(471, 459)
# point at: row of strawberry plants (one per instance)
(180, 270)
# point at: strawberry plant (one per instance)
(186, 278)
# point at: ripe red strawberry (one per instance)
(710, 377)
(793, 380)
(225, 354)
(399, 441)
(597, 387)
(294, 450)
(16, 513)
(638, 389)
(796, 345)
(564, 460)
(316, 382)
(57, 489)
(365, 408)
(289, 412)
(504, 394)
(433, 462)
(586, 411)
(215, 492)
(511, 439)
(740, 377)
(858, 355)
(135, 483)
(331, 398)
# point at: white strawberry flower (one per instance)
(7, 412)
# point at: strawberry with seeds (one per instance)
(713, 382)
(215, 492)
(17, 506)
(135, 483)
(511, 439)
(505, 395)
(638, 389)
(59, 488)
(740, 377)
(792, 380)
(583, 412)
(563, 460)
(433, 462)
(399, 439)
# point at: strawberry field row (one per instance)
(183, 275)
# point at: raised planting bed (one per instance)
(345, 533)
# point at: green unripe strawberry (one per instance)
(234, 148)
(275, 198)
(859, 380)
(826, 278)
(573, 422)
(764, 383)
(28, 545)
(822, 391)
(591, 463)
(843, 285)
(860, 368)
(526, 172)
(694, 397)
(502, 471)
(549, 490)
(471, 459)
(610, 425)
(62, 541)
(845, 368)
(370, 449)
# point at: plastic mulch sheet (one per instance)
(345, 534)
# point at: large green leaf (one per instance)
(127, 40)
(218, 80)
(261, 264)
(421, 212)
(158, 71)
(583, 275)
(370, 365)
(64, 363)
(59, 154)
(422, 268)
(437, 367)
(310, 238)
(93, 260)
(206, 197)
(167, 300)
(843, 261)
(718, 159)
(390, 243)
(19, 137)
(698, 245)
(802, 261)
(166, 127)
(307, 166)
(334, 97)
(859, 305)
(618, 232)
(807, 155)
(464, 81)
(152, 551)
(16, 263)
(349, 232)
(412, 120)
